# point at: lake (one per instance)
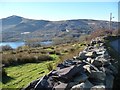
(18, 44)
(116, 45)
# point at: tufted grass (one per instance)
(21, 75)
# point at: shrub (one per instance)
(6, 48)
(72, 49)
(13, 52)
(43, 52)
(4, 74)
(8, 59)
(65, 51)
(52, 47)
(58, 53)
(49, 66)
(52, 52)
(23, 58)
(44, 58)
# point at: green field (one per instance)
(22, 75)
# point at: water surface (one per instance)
(13, 44)
(18, 44)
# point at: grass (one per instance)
(21, 75)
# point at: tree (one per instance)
(6, 48)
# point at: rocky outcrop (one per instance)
(91, 70)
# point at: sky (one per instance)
(55, 11)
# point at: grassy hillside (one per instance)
(15, 27)
(19, 75)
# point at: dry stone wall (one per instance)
(90, 70)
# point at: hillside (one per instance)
(16, 28)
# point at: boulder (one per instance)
(109, 81)
(80, 78)
(100, 52)
(112, 68)
(87, 67)
(97, 77)
(42, 83)
(90, 47)
(91, 54)
(89, 59)
(92, 67)
(97, 63)
(93, 42)
(106, 70)
(100, 61)
(68, 63)
(31, 85)
(71, 84)
(98, 74)
(101, 44)
(98, 87)
(83, 86)
(62, 86)
(82, 56)
(69, 72)
(86, 49)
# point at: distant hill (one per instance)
(16, 28)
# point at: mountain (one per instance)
(16, 28)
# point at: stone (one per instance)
(86, 49)
(67, 63)
(93, 42)
(92, 67)
(42, 83)
(90, 47)
(82, 56)
(100, 52)
(71, 84)
(112, 68)
(98, 75)
(69, 72)
(60, 66)
(75, 57)
(100, 61)
(109, 81)
(80, 78)
(62, 86)
(83, 86)
(91, 54)
(98, 87)
(97, 63)
(31, 85)
(101, 44)
(106, 70)
(87, 67)
(89, 59)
